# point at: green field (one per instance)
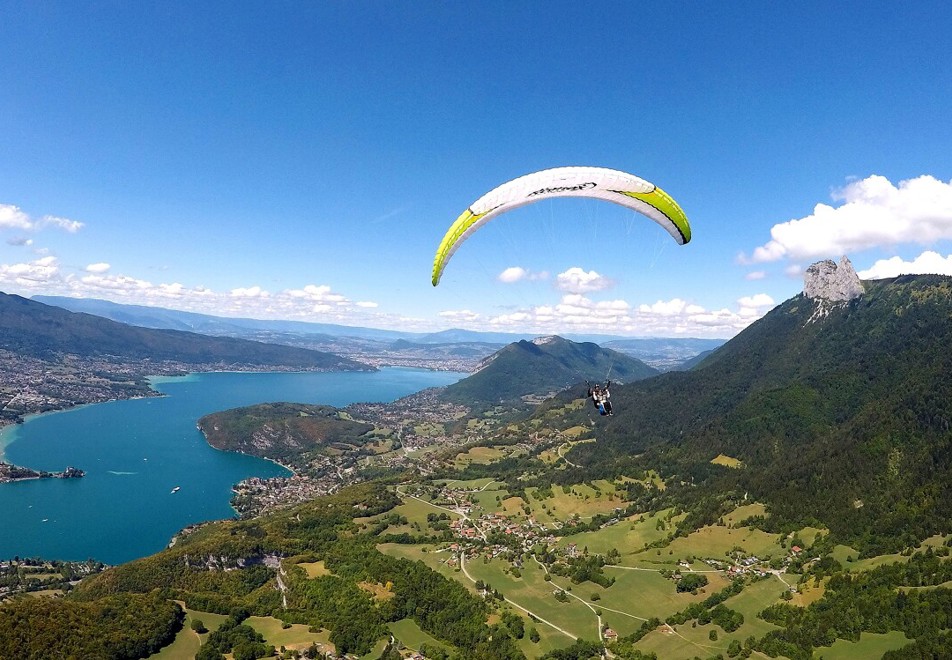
(413, 637)
(187, 642)
(717, 541)
(298, 636)
(753, 600)
(870, 645)
(684, 642)
(627, 536)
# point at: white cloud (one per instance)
(32, 275)
(757, 301)
(518, 273)
(513, 274)
(577, 280)
(460, 315)
(874, 213)
(12, 217)
(101, 267)
(676, 317)
(317, 293)
(249, 292)
(367, 304)
(20, 241)
(927, 262)
(72, 226)
(755, 275)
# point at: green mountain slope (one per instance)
(842, 414)
(32, 329)
(541, 367)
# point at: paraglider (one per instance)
(596, 182)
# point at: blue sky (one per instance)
(303, 160)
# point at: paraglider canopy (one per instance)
(595, 182)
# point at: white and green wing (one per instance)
(596, 182)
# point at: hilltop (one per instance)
(542, 367)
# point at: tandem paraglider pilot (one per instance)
(601, 398)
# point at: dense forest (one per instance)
(290, 433)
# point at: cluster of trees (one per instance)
(712, 609)
(582, 569)
(119, 626)
(879, 600)
(233, 636)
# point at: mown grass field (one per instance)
(298, 636)
(627, 536)
(717, 542)
(314, 569)
(582, 500)
(870, 645)
(752, 600)
(684, 642)
(187, 642)
(413, 637)
(532, 592)
(485, 455)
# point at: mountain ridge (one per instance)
(34, 329)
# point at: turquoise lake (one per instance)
(135, 452)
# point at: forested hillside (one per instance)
(291, 433)
(32, 329)
(840, 414)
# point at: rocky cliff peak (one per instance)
(834, 282)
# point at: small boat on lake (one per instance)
(176, 489)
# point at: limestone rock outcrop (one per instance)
(833, 282)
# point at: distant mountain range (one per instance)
(33, 329)
(542, 367)
(659, 352)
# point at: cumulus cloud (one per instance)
(927, 262)
(31, 275)
(100, 267)
(874, 213)
(249, 292)
(317, 293)
(579, 313)
(460, 315)
(12, 217)
(577, 280)
(518, 273)
(20, 241)
(755, 275)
